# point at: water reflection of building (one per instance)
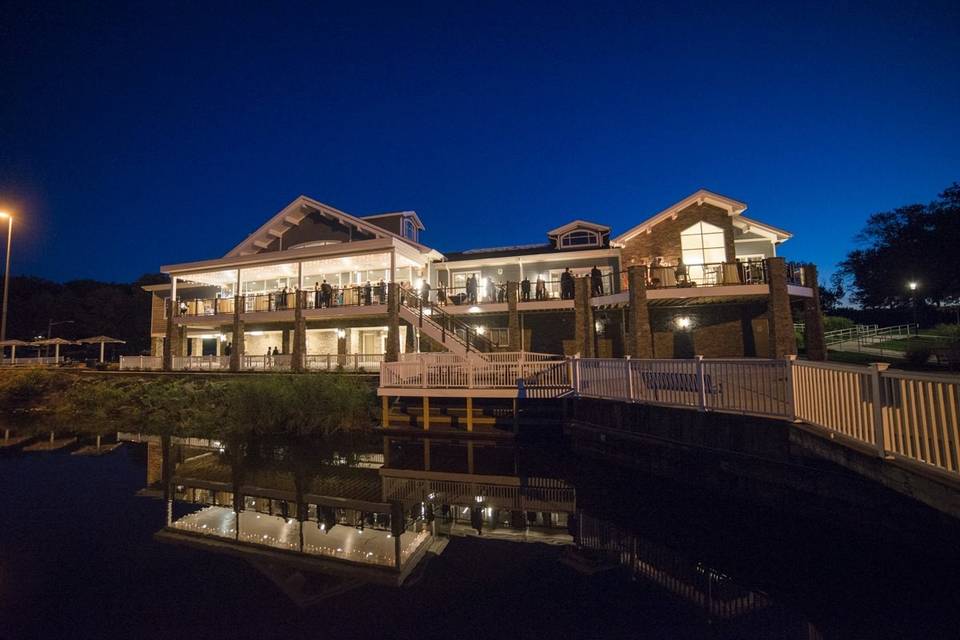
(479, 487)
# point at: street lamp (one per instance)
(6, 276)
(912, 285)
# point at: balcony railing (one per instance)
(741, 272)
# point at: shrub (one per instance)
(947, 331)
(918, 354)
(832, 323)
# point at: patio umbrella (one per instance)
(13, 344)
(102, 340)
(56, 342)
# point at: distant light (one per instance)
(4, 214)
(341, 333)
(913, 285)
(480, 329)
(474, 309)
(683, 322)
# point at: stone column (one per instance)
(299, 335)
(236, 352)
(393, 323)
(641, 334)
(783, 341)
(583, 318)
(342, 346)
(170, 345)
(513, 318)
(816, 344)
(285, 340)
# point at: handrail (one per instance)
(448, 324)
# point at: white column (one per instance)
(102, 345)
(393, 264)
(237, 291)
(173, 287)
(300, 275)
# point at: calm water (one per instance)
(567, 548)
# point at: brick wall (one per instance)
(158, 325)
(664, 238)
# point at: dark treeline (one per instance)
(119, 310)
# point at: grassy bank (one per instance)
(311, 404)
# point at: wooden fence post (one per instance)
(702, 387)
(790, 399)
(879, 433)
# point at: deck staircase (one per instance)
(447, 330)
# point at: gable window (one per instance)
(580, 238)
(409, 229)
(703, 243)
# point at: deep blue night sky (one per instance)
(135, 135)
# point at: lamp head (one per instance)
(913, 285)
(5, 214)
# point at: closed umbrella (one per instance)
(56, 342)
(13, 344)
(102, 340)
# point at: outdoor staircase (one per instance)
(447, 330)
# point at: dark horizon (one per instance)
(137, 138)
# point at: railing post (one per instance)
(879, 433)
(469, 373)
(789, 397)
(423, 372)
(701, 386)
(626, 362)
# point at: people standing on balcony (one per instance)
(472, 289)
(566, 285)
(525, 290)
(425, 291)
(541, 292)
(276, 351)
(228, 349)
(367, 293)
(681, 273)
(491, 291)
(381, 292)
(441, 295)
(316, 295)
(326, 293)
(596, 281)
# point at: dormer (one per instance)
(403, 223)
(580, 234)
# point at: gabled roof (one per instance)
(774, 233)
(733, 207)
(405, 214)
(294, 213)
(578, 224)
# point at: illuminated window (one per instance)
(580, 238)
(703, 243)
(409, 229)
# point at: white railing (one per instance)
(347, 361)
(32, 362)
(452, 371)
(906, 415)
(265, 363)
(141, 363)
(200, 363)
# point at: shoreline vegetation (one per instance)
(40, 401)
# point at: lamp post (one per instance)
(912, 285)
(6, 276)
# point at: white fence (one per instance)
(313, 362)
(910, 416)
(140, 363)
(452, 371)
(40, 361)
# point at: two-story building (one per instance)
(313, 283)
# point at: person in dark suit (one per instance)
(596, 281)
(316, 295)
(525, 289)
(566, 285)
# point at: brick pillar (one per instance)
(299, 335)
(154, 463)
(583, 318)
(156, 347)
(393, 323)
(641, 335)
(285, 340)
(513, 318)
(343, 344)
(783, 341)
(816, 344)
(236, 353)
(169, 348)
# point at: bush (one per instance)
(832, 323)
(918, 354)
(947, 331)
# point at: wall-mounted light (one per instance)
(341, 333)
(683, 322)
(474, 309)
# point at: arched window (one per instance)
(703, 243)
(580, 238)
